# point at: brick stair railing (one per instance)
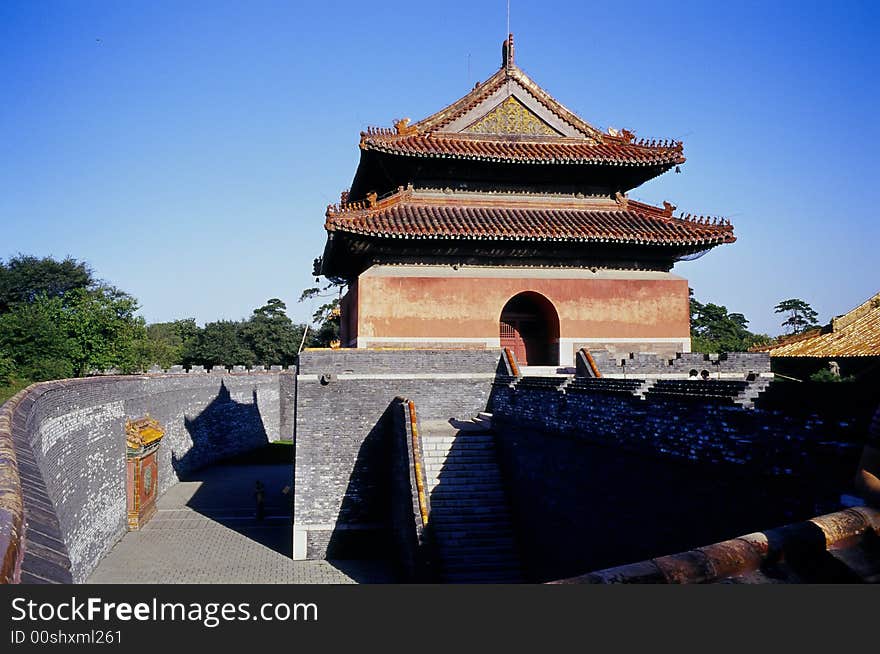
(470, 518)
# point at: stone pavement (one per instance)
(205, 531)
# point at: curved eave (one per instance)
(721, 239)
(671, 159)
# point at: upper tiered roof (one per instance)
(510, 119)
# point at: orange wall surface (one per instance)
(437, 307)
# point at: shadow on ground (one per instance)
(227, 494)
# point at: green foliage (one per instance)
(171, 343)
(222, 343)
(271, 335)
(34, 336)
(56, 321)
(326, 317)
(7, 367)
(713, 329)
(12, 386)
(268, 337)
(801, 316)
(23, 278)
(103, 330)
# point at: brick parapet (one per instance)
(12, 523)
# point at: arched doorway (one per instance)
(530, 328)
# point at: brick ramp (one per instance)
(470, 517)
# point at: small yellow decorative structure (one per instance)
(142, 439)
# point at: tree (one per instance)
(172, 343)
(7, 368)
(34, 337)
(801, 316)
(222, 343)
(271, 335)
(326, 317)
(23, 278)
(103, 330)
(713, 329)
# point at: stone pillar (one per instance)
(142, 439)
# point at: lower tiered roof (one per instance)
(447, 216)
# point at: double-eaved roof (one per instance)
(507, 175)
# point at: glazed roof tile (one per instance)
(532, 150)
(855, 334)
(437, 136)
(529, 218)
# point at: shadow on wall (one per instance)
(229, 457)
(225, 428)
(363, 525)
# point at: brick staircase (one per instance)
(747, 398)
(470, 518)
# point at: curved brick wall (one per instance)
(62, 456)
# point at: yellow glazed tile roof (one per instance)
(855, 334)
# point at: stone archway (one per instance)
(529, 326)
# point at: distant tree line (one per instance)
(715, 329)
(57, 320)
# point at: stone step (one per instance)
(439, 476)
(459, 462)
(501, 549)
(485, 467)
(494, 504)
(445, 488)
(449, 474)
(454, 458)
(469, 448)
(447, 513)
(441, 506)
(483, 524)
(487, 454)
(463, 437)
(457, 534)
(489, 496)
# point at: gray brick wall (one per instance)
(769, 442)
(76, 432)
(599, 480)
(398, 361)
(649, 363)
(340, 456)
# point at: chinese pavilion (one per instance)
(503, 221)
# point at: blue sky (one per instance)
(188, 150)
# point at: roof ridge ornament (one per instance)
(403, 128)
(621, 200)
(507, 52)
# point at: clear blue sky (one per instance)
(188, 150)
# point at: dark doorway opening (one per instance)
(530, 328)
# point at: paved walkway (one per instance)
(205, 531)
